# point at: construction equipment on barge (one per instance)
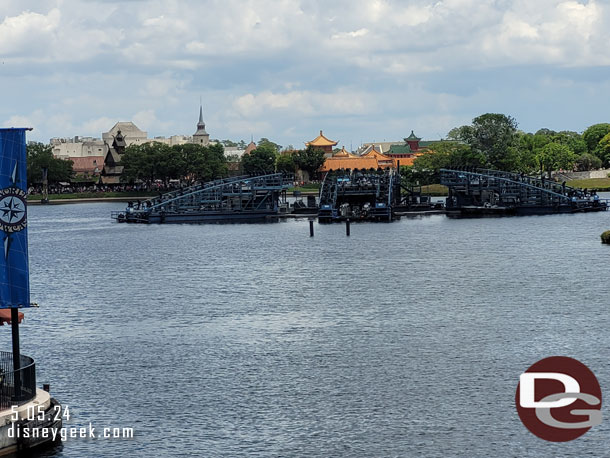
(482, 192)
(236, 199)
(359, 195)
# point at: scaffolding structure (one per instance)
(483, 191)
(359, 195)
(228, 199)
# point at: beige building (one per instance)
(131, 133)
(65, 148)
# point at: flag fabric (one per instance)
(14, 266)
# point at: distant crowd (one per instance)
(75, 188)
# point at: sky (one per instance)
(361, 70)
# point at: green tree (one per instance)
(170, 164)
(268, 143)
(261, 161)
(572, 139)
(156, 161)
(309, 159)
(39, 156)
(528, 146)
(588, 162)
(445, 155)
(592, 136)
(285, 163)
(603, 149)
(203, 163)
(546, 132)
(191, 155)
(493, 135)
(554, 156)
(217, 161)
(138, 163)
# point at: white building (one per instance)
(65, 148)
(131, 132)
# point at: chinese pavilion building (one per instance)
(346, 160)
(323, 143)
(405, 151)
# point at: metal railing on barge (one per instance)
(481, 187)
(231, 195)
(25, 389)
(359, 194)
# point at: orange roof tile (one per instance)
(344, 153)
(377, 155)
(336, 163)
(321, 140)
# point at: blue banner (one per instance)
(14, 267)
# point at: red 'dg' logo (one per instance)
(559, 399)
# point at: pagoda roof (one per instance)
(321, 140)
(344, 153)
(400, 149)
(413, 137)
(376, 154)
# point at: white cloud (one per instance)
(304, 103)
(28, 31)
(276, 64)
(95, 127)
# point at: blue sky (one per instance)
(361, 70)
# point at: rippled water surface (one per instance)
(405, 339)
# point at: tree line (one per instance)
(40, 156)
(154, 161)
(494, 141)
(267, 158)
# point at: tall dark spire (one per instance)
(201, 136)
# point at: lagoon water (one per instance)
(405, 339)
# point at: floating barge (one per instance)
(484, 192)
(369, 195)
(358, 195)
(237, 199)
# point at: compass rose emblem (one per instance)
(13, 209)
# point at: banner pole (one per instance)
(16, 354)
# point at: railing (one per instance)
(25, 390)
(196, 193)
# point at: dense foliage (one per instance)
(40, 156)
(494, 141)
(310, 159)
(285, 163)
(155, 161)
(260, 161)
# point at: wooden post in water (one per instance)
(45, 186)
(311, 227)
(347, 227)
